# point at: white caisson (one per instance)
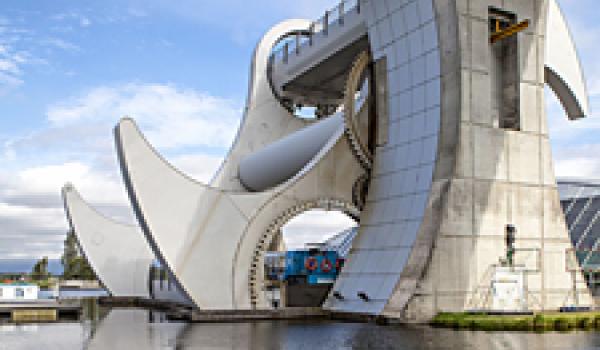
(118, 253)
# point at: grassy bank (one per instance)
(538, 322)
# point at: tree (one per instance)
(80, 269)
(70, 251)
(74, 265)
(40, 269)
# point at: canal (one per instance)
(130, 329)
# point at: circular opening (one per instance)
(315, 226)
(305, 260)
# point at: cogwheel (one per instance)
(356, 133)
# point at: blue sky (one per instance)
(70, 69)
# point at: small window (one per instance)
(505, 72)
(20, 293)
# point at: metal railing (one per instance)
(294, 43)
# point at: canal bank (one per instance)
(540, 322)
(524, 322)
(124, 328)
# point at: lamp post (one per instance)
(511, 231)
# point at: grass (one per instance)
(539, 322)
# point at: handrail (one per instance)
(319, 27)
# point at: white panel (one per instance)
(390, 210)
(390, 53)
(394, 237)
(412, 228)
(387, 286)
(404, 79)
(415, 43)
(402, 51)
(404, 208)
(409, 182)
(429, 150)
(424, 178)
(371, 284)
(417, 130)
(347, 289)
(432, 64)
(417, 67)
(411, 15)
(398, 24)
(385, 260)
(390, 160)
(375, 41)
(432, 122)
(402, 157)
(426, 10)
(385, 32)
(430, 40)
(418, 98)
(370, 16)
(381, 10)
(400, 257)
(394, 6)
(405, 104)
(396, 185)
(415, 153)
(419, 205)
(405, 130)
(394, 108)
(433, 93)
(410, 106)
(376, 233)
(372, 258)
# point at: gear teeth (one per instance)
(356, 147)
(255, 284)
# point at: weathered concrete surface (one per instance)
(487, 177)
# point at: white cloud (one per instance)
(171, 117)
(314, 226)
(75, 146)
(76, 17)
(60, 44)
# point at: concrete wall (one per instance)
(448, 178)
(488, 177)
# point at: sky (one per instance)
(69, 70)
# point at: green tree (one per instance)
(75, 266)
(40, 269)
(70, 250)
(79, 269)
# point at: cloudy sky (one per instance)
(70, 69)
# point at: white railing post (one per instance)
(341, 14)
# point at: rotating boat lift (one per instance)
(395, 158)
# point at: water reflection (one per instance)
(138, 329)
(133, 329)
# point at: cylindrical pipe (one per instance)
(282, 159)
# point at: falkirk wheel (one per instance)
(430, 131)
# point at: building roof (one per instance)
(17, 284)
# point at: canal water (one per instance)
(133, 329)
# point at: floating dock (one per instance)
(39, 311)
